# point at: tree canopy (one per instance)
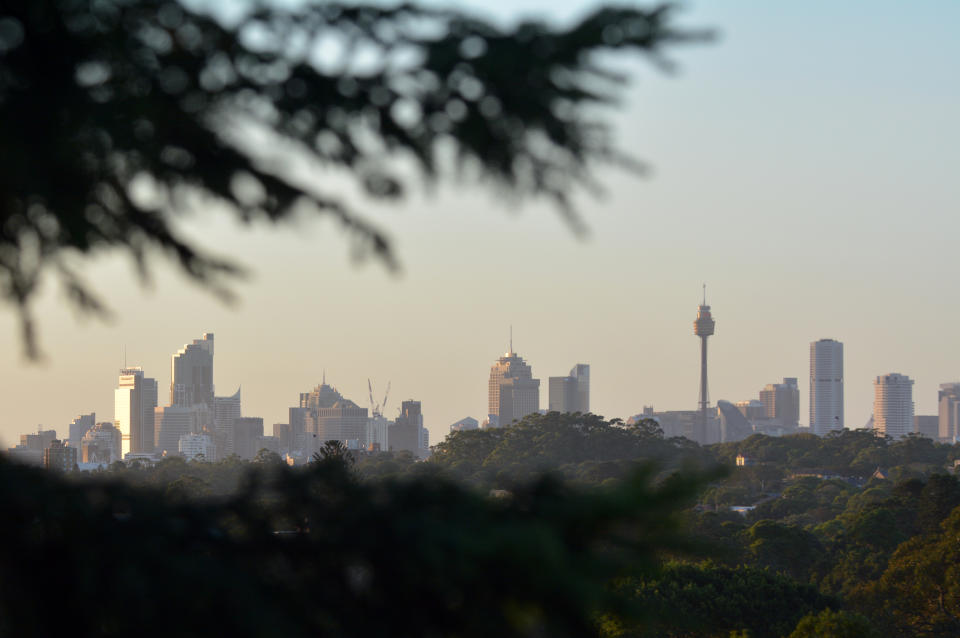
(117, 114)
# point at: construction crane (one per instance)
(376, 409)
(373, 406)
(383, 406)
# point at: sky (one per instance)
(802, 165)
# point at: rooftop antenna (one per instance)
(124, 355)
(324, 376)
(704, 294)
(511, 338)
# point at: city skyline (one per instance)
(787, 195)
(827, 353)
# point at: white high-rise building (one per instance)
(893, 405)
(134, 401)
(826, 386)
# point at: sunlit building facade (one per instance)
(134, 402)
(512, 392)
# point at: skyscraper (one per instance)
(226, 410)
(408, 432)
(948, 402)
(79, 427)
(703, 327)
(781, 401)
(826, 386)
(893, 405)
(134, 401)
(571, 393)
(512, 392)
(327, 416)
(191, 374)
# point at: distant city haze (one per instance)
(803, 166)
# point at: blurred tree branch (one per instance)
(114, 113)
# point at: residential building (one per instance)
(134, 401)
(826, 386)
(60, 457)
(893, 405)
(512, 392)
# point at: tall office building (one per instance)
(327, 416)
(191, 374)
(893, 405)
(826, 386)
(134, 401)
(703, 327)
(79, 427)
(948, 414)
(781, 402)
(247, 432)
(408, 433)
(171, 422)
(226, 410)
(512, 392)
(571, 393)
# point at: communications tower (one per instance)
(703, 328)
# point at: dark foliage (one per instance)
(583, 447)
(116, 114)
(710, 601)
(317, 552)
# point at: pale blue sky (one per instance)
(802, 166)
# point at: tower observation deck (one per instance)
(703, 327)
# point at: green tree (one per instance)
(834, 624)
(707, 601)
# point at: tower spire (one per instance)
(324, 376)
(704, 293)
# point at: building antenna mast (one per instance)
(704, 294)
(511, 338)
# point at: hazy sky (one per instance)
(804, 166)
